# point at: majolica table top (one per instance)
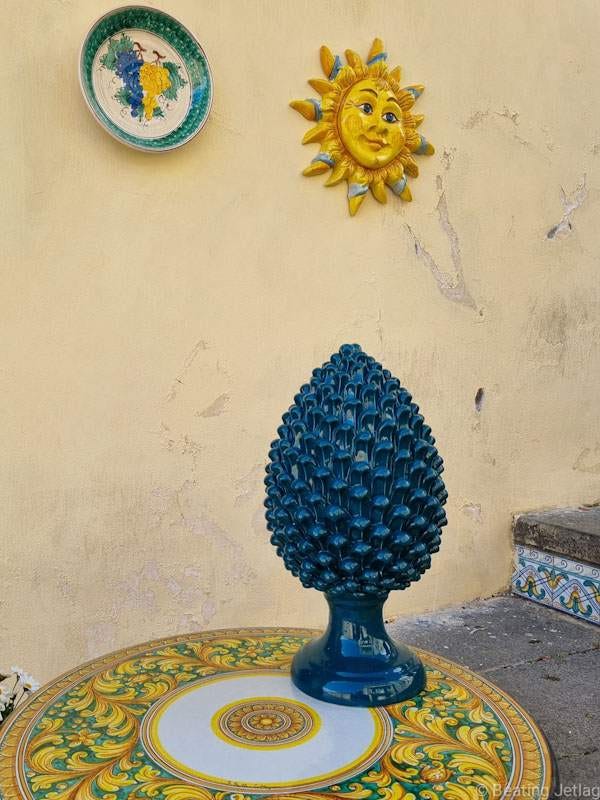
(214, 716)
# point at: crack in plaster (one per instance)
(182, 444)
(583, 753)
(448, 157)
(191, 357)
(570, 204)
(557, 657)
(379, 328)
(479, 116)
(476, 119)
(513, 116)
(548, 137)
(451, 286)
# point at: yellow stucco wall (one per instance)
(159, 312)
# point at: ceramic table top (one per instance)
(215, 716)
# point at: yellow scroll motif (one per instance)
(79, 738)
(364, 125)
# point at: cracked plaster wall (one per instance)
(159, 312)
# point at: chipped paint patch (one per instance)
(588, 460)
(479, 399)
(448, 157)
(480, 116)
(452, 286)
(249, 484)
(570, 203)
(473, 512)
(216, 408)
(512, 116)
(475, 119)
(553, 328)
(101, 637)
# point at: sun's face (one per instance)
(364, 125)
(370, 124)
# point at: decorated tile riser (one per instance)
(558, 582)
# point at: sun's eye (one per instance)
(389, 116)
(366, 108)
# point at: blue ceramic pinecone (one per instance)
(354, 494)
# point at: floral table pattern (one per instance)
(79, 737)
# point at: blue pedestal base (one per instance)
(355, 663)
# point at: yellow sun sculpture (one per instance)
(365, 128)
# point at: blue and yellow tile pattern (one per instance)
(558, 582)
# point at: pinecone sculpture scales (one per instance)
(354, 504)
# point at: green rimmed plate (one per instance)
(145, 78)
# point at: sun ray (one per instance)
(327, 61)
(338, 174)
(400, 187)
(406, 100)
(356, 195)
(310, 109)
(320, 85)
(346, 77)
(411, 167)
(396, 74)
(315, 168)
(365, 126)
(412, 139)
(330, 64)
(378, 191)
(416, 90)
(316, 134)
(377, 52)
(354, 60)
(424, 148)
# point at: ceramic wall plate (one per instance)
(145, 78)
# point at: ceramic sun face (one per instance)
(364, 125)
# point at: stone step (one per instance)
(571, 532)
(557, 560)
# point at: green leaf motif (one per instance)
(158, 112)
(176, 80)
(123, 96)
(115, 46)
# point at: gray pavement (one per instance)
(548, 661)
